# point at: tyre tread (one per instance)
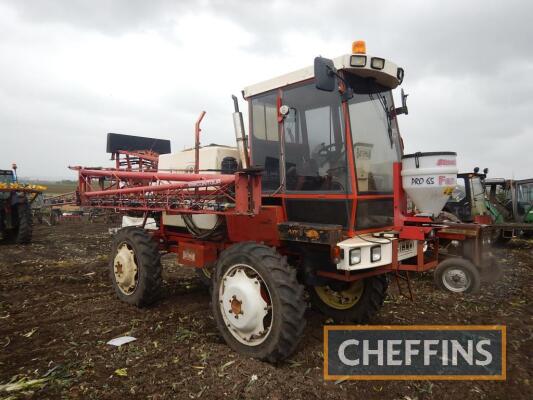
(290, 292)
(148, 258)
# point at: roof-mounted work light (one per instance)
(377, 63)
(357, 60)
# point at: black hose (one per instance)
(215, 233)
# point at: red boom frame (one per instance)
(172, 193)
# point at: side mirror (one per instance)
(403, 109)
(325, 78)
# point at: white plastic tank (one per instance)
(211, 158)
(429, 179)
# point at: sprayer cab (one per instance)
(329, 129)
(327, 139)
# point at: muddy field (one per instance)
(57, 311)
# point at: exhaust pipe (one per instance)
(240, 135)
(197, 131)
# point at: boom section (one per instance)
(173, 193)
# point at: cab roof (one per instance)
(388, 76)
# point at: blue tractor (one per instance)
(15, 209)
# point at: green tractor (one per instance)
(468, 202)
(511, 205)
(15, 208)
(506, 205)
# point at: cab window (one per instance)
(265, 139)
(315, 156)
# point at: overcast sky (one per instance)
(71, 71)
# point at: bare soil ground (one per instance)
(58, 310)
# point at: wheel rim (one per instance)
(125, 269)
(456, 280)
(342, 299)
(245, 304)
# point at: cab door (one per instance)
(315, 171)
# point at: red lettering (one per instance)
(442, 162)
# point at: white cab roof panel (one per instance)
(386, 76)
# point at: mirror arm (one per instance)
(347, 94)
(401, 110)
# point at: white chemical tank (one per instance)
(211, 162)
(429, 179)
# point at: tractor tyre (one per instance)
(457, 275)
(135, 267)
(258, 304)
(350, 302)
(24, 228)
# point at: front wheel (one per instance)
(350, 302)
(135, 267)
(457, 275)
(257, 302)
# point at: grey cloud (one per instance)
(107, 17)
(451, 37)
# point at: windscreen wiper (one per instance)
(383, 102)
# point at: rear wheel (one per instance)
(135, 267)
(24, 224)
(350, 302)
(457, 275)
(258, 303)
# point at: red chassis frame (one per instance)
(238, 198)
(408, 227)
(424, 229)
(262, 227)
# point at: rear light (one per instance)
(336, 254)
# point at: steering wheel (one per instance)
(326, 150)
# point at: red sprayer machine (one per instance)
(313, 198)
